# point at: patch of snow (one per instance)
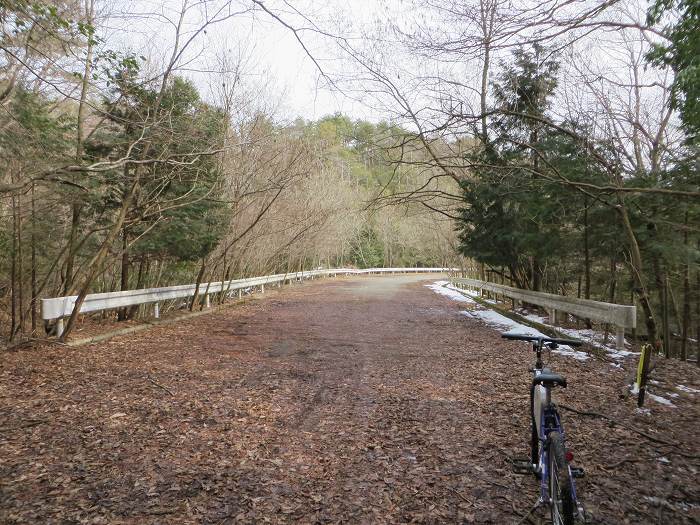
(616, 365)
(684, 388)
(536, 318)
(654, 382)
(590, 337)
(444, 288)
(634, 389)
(504, 323)
(643, 411)
(661, 400)
(663, 459)
(576, 354)
(595, 339)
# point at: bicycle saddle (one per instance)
(549, 380)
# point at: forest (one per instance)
(552, 148)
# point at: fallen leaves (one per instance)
(343, 406)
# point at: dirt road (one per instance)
(362, 400)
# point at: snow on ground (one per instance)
(684, 388)
(446, 289)
(635, 390)
(497, 320)
(591, 337)
(660, 399)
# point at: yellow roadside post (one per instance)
(642, 373)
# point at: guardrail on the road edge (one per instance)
(59, 307)
(622, 316)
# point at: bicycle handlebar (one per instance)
(541, 339)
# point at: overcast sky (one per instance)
(281, 80)
(274, 58)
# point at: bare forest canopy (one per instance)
(551, 144)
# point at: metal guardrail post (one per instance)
(620, 338)
(156, 310)
(207, 303)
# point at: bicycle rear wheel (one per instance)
(562, 501)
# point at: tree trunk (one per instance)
(70, 258)
(124, 284)
(13, 272)
(140, 281)
(200, 274)
(686, 294)
(676, 311)
(611, 295)
(697, 311)
(96, 264)
(33, 277)
(224, 277)
(77, 207)
(635, 262)
(668, 350)
(536, 274)
(586, 258)
(660, 281)
(20, 266)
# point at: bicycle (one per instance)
(549, 459)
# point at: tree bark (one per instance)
(536, 274)
(33, 276)
(124, 283)
(20, 266)
(200, 274)
(660, 280)
(611, 295)
(586, 258)
(686, 294)
(77, 207)
(668, 350)
(13, 273)
(140, 282)
(697, 311)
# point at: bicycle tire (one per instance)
(562, 501)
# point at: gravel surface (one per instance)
(358, 400)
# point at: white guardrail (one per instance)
(59, 307)
(621, 316)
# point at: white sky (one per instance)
(276, 64)
(280, 79)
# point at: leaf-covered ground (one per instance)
(366, 400)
